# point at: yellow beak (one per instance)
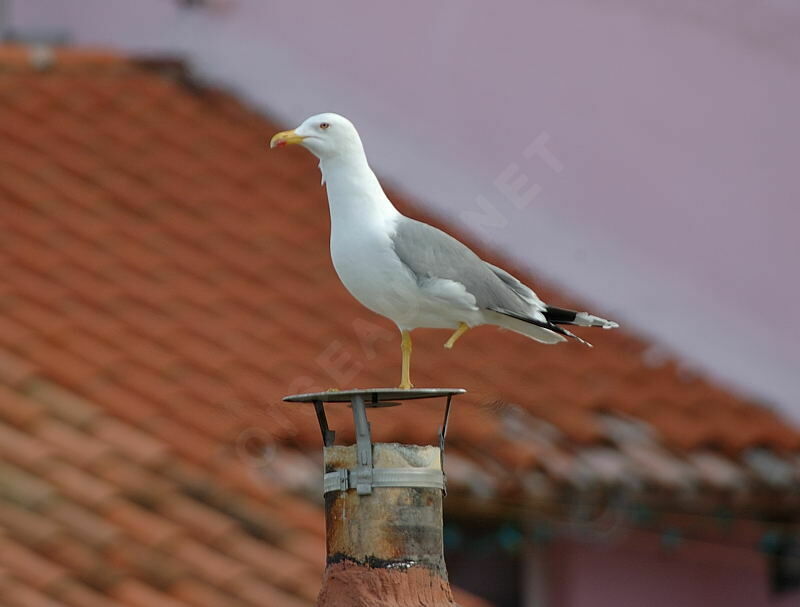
(285, 138)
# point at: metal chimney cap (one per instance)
(372, 396)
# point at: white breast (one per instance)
(371, 271)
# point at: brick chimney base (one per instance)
(351, 585)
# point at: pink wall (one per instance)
(675, 126)
(641, 574)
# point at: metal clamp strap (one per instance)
(344, 479)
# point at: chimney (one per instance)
(383, 510)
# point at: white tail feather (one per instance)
(584, 319)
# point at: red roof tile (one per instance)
(77, 594)
(195, 592)
(83, 523)
(136, 594)
(17, 410)
(27, 527)
(30, 567)
(208, 563)
(14, 371)
(145, 527)
(18, 595)
(73, 445)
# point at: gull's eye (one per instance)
(325, 125)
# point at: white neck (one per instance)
(354, 193)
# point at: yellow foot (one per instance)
(462, 328)
(332, 390)
(405, 386)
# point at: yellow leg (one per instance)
(405, 347)
(462, 328)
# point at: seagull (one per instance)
(408, 271)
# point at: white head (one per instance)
(325, 135)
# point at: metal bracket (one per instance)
(363, 471)
(364, 477)
(338, 480)
(442, 437)
(343, 479)
(328, 435)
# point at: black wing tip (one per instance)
(560, 315)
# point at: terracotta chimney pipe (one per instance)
(385, 548)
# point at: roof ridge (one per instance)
(16, 56)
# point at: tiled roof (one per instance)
(166, 280)
(97, 511)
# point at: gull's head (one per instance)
(324, 135)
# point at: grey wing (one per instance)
(437, 260)
(522, 290)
